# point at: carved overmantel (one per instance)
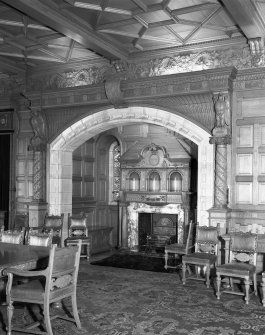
(155, 180)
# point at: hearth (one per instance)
(162, 215)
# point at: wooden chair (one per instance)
(50, 285)
(54, 223)
(241, 264)
(77, 230)
(39, 239)
(179, 249)
(21, 220)
(13, 236)
(205, 256)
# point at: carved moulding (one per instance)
(250, 79)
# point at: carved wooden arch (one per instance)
(60, 152)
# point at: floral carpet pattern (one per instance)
(115, 301)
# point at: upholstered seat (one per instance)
(241, 265)
(205, 256)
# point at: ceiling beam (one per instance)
(246, 16)
(50, 15)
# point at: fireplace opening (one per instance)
(155, 230)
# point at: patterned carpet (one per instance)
(114, 301)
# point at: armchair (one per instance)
(48, 286)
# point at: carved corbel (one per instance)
(38, 123)
(222, 115)
(256, 46)
(113, 90)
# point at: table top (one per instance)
(22, 256)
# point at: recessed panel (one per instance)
(245, 136)
(262, 193)
(244, 193)
(244, 164)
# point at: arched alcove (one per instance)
(59, 188)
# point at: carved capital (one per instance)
(221, 140)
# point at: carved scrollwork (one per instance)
(61, 282)
(243, 257)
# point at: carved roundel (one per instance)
(154, 159)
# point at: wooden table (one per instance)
(21, 257)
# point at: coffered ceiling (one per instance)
(39, 33)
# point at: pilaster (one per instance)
(220, 213)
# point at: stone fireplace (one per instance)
(133, 210)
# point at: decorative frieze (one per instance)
(240, 57)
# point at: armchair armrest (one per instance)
(24, 273)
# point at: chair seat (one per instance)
(176, 248)
(84, 239)
(242, 269)
(203, 258)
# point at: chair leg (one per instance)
(75, 312)
(207, 273)
(47, 319)
(218, 284)
(87, 252)
(255, 284)
(166, 259)
(247, 286)
(231, 282)
(183, 273)
(263, 291)
(10, 312)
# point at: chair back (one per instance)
(207, 239)
(77, 225)
(190, 237)
(21, 220)
(62, 270)
(243, 248)
(13, 236)
(54, 223)
(39, 239)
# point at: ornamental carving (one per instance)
(61, 282)
(240, 58)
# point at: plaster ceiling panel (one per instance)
(156, 16)
(114, 29)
